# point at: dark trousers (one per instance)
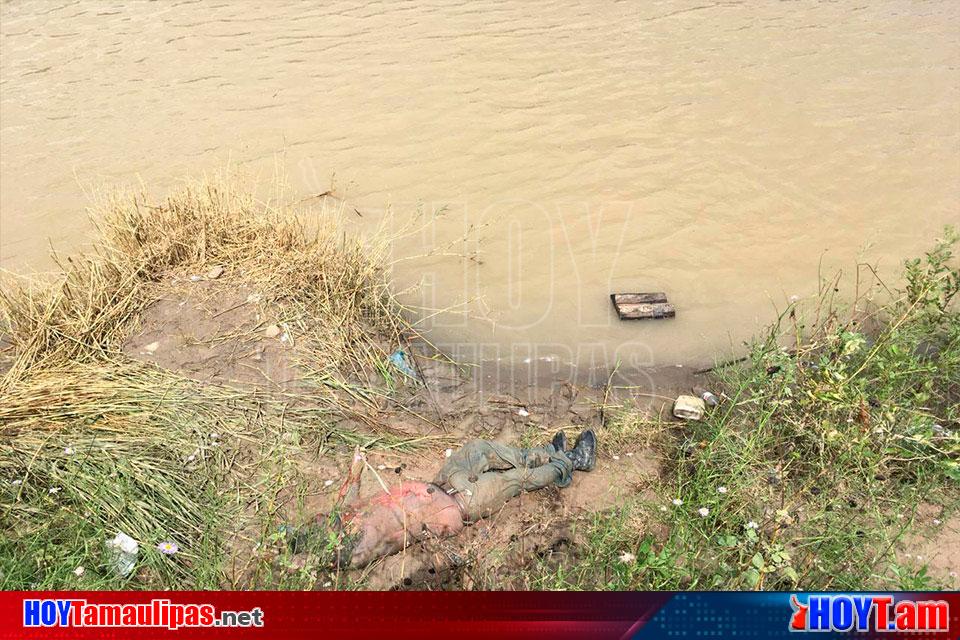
(483, 475)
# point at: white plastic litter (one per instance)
(124, 550)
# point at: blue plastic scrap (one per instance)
(399, 359)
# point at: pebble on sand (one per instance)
(272, 331)
(214, 273)
(152, 347)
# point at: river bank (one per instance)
(202, 377)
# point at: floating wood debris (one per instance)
(640, 306)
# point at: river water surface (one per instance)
(721, 152)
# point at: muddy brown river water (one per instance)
(721, 152)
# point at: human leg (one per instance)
(484, 475)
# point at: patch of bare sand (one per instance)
(212, 331)
(936, 544)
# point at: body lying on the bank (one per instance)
(474, 483)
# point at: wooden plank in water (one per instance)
(638, 298)
(642, 306)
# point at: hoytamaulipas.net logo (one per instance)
(156, 613)
(856, 612)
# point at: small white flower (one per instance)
(630, 454)
(626, 557)
(752, 525)
(794, 299)
(663, 508)
(523, 413)
(53, 490)
(214, 435)
(168, 547)
(381, 467)
(327, 583)
(920, 558)
(677, 502)
(953, 574)
(327, 483)
(616, 457)
(68, 451)
(936, 522)
(703, 511)
(721, 489)
(448, 453)
(79, 571)
(16, 482)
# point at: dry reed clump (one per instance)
(330, 282)
(92, 442)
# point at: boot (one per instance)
(559, 442)
(584, 453)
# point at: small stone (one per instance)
(272, 331)
(327, 483)
(214, 273)
(153, 346)
(523, 413)
(688, 407)
(448, 453)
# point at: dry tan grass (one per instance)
(141, 458)
(332, 281)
